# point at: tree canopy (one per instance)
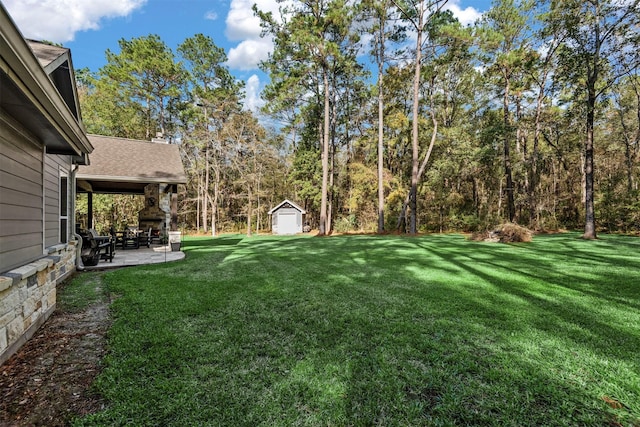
(392, 109)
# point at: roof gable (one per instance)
(56, 62)
(287, 204)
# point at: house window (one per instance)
(64, 202)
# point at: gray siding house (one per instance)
(42, 141)
(286, 218)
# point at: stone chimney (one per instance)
(156, 213)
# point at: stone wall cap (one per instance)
(53, 259)
(43, 264)
(56, 248)
(25, 271)
(6, 282)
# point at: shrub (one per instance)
(346, 224)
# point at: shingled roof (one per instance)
(120, 165)
(46, 53)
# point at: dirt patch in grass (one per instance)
(48, 381)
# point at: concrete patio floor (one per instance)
(130, 257)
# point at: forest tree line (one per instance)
(390, 115)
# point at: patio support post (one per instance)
(89, 209)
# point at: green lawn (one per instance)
(367, 330)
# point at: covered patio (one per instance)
(126, 166)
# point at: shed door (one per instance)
(287, 223)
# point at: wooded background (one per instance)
(389, 115)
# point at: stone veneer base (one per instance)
(28, 296)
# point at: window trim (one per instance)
(63, 205)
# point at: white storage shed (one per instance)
(287, 218)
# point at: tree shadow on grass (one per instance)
(211, 242)
(582, 321)
(513, 281)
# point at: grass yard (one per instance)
(370, 330)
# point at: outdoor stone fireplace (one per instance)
(157, 211)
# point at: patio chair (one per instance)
(144, 238)
(118, 237)
(130, 238)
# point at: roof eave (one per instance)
(22, 67)
(135, 179)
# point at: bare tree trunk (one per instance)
(258, 207)
(415, 149)
(214, 204)
(323, 228)
(381, 46)
(198, 198)
(507, 154)
(555, 190)
(332, 161)
(476, 196)
(205, 191)
(634, 185)
(589, 211)
(331, 194)
(500, 198)
(589, 203)
(249, 213)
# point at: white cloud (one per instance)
(252, 100)
(211, 15)
(248, 54)
(241, 22)
(59, 20)
(244, 27)
(466, 16)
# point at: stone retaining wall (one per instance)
(28, 296)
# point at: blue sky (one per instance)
(90, 27)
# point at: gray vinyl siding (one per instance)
(53, 165)
(21, 223)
